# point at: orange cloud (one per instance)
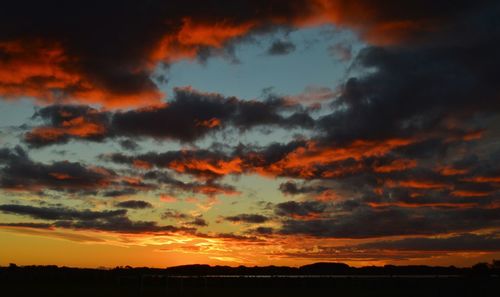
(342, 171)
(396, 165)
(469, 136)
(77, 127)
(33, 69)
(168, 199)
(417, 184)
(185, 43)
(208, 168)
(39, 70)
(449, 171)
(52, 69)
(212, 123)
(195, 34)
(303, 159)
(141, 164)
(370, 19)
(328, 195)
(483, 179)
(463, 193)
(61, 176)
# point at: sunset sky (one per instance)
(249, 132)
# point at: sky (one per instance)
(162, 133)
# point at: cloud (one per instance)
(198, 221)
(190, 116)
(186, 219)
(398, 140)
(208, 188)
(174, 214)
(370, 223)
(58, 55)
(201, 163)
(129, 144)
(27, 225)
(196, 113)
(120, 192)
(264, 230)
(247, 218)
(20, 173)
(66, 122)
(298, 158)
(62, 59)
(107, 220)
(280, 47)
(134, 204)
(300, 210)
(291, 188)
(121, 224)
(50, 213)
(373, 105)
(461, 242)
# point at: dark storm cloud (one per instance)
(120, 192)
(51, 213)
(134, 204)
(264, 230)
(27, 225)
(186, 218)
(449, 186)
(174, 214)
(110, 59)
(65, 122)
(198, 221)
(190, 116)
(367, 223)
(193, 114)
(420, 86)
(292, 188)
(247, 218)
(121, 224)
(300, 209)
(461, 242)
(280, 47)
(19, 172)
(107, 220)
(129, 144)
(207, 188)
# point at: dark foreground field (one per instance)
(195, 281)
(249, 286)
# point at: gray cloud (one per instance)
(247, 218)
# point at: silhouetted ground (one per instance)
(201, 280)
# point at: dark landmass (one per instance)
(337, 279)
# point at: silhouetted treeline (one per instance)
(319, 279)
(66, 273)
